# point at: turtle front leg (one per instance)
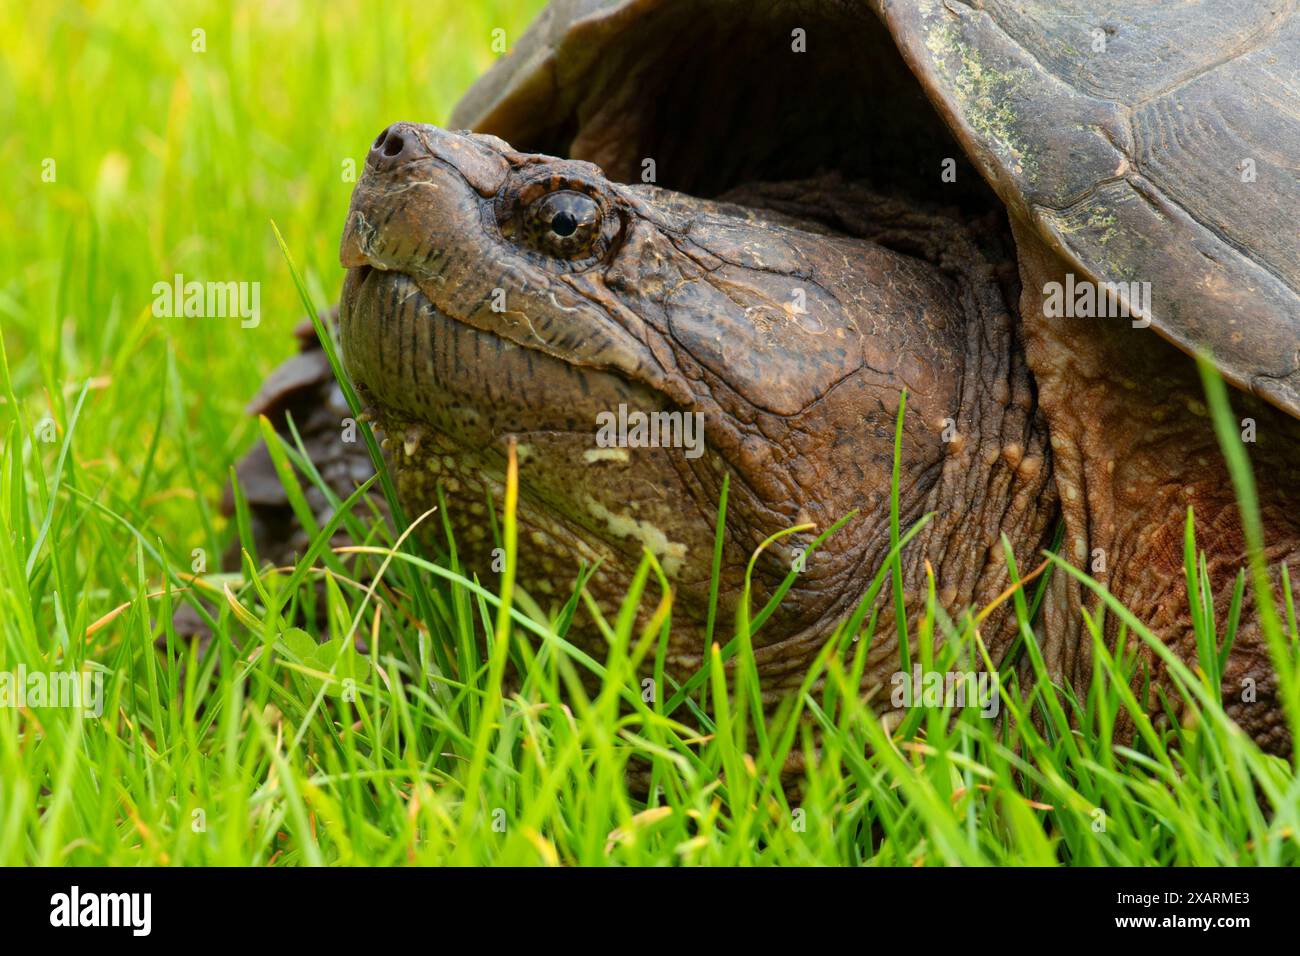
(1133, 448)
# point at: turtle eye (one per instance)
(565, 223)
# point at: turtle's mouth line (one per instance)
(473, 385)
(448, 397)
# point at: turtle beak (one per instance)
(398, 145)
(416, 175)
(351, 253)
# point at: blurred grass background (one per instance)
(169, 160)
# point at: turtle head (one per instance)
(499, 241)
(637, 346)
(474, 313)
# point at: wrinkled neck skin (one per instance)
(786, 332)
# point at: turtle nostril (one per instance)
(397, 145)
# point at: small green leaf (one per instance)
(301, 644)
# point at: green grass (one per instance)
(170, 161)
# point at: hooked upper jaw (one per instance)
(420, 191)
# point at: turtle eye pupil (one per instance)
(564, 224)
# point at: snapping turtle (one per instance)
(777, 216)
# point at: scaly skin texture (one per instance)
(792, 329)
(1134, 449)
